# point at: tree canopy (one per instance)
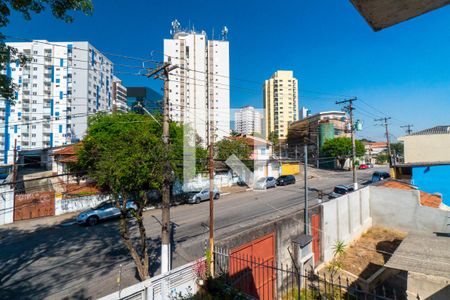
(59, 9)
(341, 148)
(227, 147)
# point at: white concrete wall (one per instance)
(344, 219)
(6, 203)
(165, 286)
(63, 206)
(401, 209)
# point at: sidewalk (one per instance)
(33, 224)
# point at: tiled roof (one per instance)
(434, 130)
(67, 150)
(251, 140)
(426, 199)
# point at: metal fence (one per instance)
(262, 279)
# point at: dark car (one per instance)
(378, 176)
(285, 180)
(340, 190)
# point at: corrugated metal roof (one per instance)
(434, 130)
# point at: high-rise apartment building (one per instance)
(280, 103)
(119, 96)
(199, 89)
(247, 120)
(58, 89)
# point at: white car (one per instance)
(265, 182)
(198, 196)
(103, 211)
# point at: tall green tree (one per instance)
(397, 148)
(59, 9)
(123, 153)
(273, 138)
(225, 148)
(341, 149)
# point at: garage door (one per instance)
(249, 264)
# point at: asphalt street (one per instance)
(79, 262)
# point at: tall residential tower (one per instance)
(61, 85)
(247, 120)
(280, 103)
(200, 84)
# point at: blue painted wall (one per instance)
(433, 179)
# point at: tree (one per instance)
(234, 133)
(225, 148)
(273, 138)
(123, 153)
(397, 148)
(257, 134)
(341, 149)
(59, 9)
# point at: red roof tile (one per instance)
(426, 199)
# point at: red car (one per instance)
(363, 166)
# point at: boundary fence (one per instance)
(264, 280)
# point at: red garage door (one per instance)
(249, 267)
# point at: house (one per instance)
(63, 157)
(373, 149)
(262, 156)
(427, 161)
(424, 261)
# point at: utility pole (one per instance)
(162, 72)
(386, 125)
(14, 161)
(408, 130)
(350, 110)
(305, 171)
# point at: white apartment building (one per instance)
(119, 95)
(59, 88)
(280, 103)
(200, 83)
(247, 120)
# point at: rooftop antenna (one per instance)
(175, 27)
(213, 33)
(224, 33)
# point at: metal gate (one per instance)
(34, 205)
(241, 265)
(315, 230)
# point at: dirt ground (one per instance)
(371, 251)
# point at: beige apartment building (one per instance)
(280, 103)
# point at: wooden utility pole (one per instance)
(350, 110)
(162, 72)
(386, 125)
(408, 130)
(305, 175)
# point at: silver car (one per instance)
(103, 211)
(198, 196)
(265, 182)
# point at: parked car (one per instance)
(340, 190)
(363, 166)
(378, 176)
(286, 179)
(103, 211)
(199, 196)
(264, 183)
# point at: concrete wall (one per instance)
(427, 287)
(285, 228)
(6, 202)
(63, 206)
(344, 219)
(401, 209)
(426, 148)
(433, 179)
(179, 281)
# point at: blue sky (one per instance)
(402, 71)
